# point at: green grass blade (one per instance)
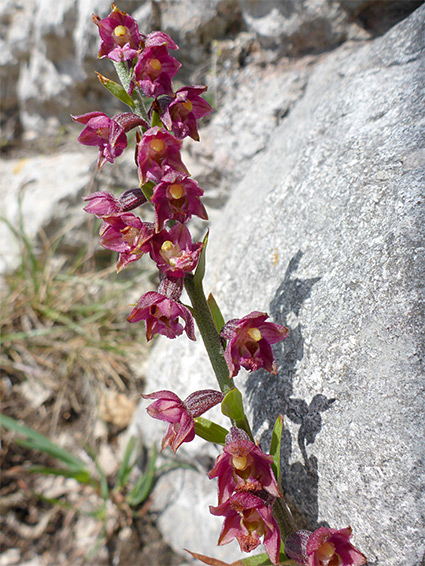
(125, 468)
(37, 441)
(81, 476)
(144, 484)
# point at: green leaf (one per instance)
(257, 560)
(37, 441)
(200, 269)
(147, 189)
(275, 446)
(83, 477)
(156, 120)
(104, 488)
(210, 431)
(144, 484)
(125, 468)
(232, 405)
(216, 313)
(116, 90)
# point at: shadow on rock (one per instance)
(270, 396)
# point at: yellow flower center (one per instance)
(188, 105)
(327, 555)
(170, 252)
(167, 246)
(157, 145)
(255, 334)
(120, 31)
(239, 462)
(155, 64)
(176, 191)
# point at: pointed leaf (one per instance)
(257, 560)
(200, 269)
(156, 119)
(125, 468)
(36, 441)
(216, 313)
(147, 189)
(116, 90)
(275, 446)
(210, 431)
(232, 405)
(104, 488)
(144, 484)
(83, 477)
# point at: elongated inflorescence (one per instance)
(160, 118)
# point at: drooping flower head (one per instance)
(243, 466)
(155, 150)
(184, 110)
(108, 134)
(120, 35)
(126, 234)
(249, 342)
(154, 71)
(103, 132)
(161, 315)
(180, 414)
(247, 519)
(324, 547)
(177, 196)
(174, 252)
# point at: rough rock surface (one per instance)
(49, 47)
(326, 232)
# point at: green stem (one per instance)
(205, 322)
(124, 76)
(284, 518)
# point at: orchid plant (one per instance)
(250, 496)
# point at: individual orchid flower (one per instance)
(157, 149)
(184, 110)
(180, 414)
(249, 342)
(177, 196)
(108, 134)
(247, 519)
(161, 315)
(120, 35)
(174, 252)
(154, 71)
(324, 547)
(243, 466)
(126, 234)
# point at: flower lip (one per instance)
(249, 342)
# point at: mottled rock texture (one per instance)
(326, 233)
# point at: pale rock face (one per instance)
(326, 232)
(49, 47)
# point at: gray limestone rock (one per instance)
(326, 233)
